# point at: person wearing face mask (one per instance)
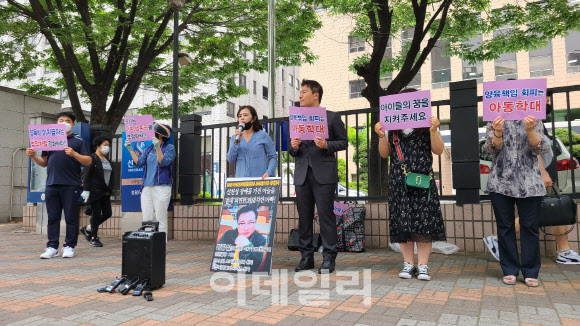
(96, 180)
(63, 186)
(252, 149)
(157, 159)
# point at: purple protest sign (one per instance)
(139, 128)
(308, 123)
(514, 99)
(47, 137)
(340, 208)
(407, 110)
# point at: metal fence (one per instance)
(216, 140)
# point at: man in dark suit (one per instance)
(315, 178)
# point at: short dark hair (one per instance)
(314, 86)
(246, 209)
(66, 114)
(256, 125)
(99, 140)
(408, 90)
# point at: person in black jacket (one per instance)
(96, 193)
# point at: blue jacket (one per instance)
(164, 169)
(253, 158)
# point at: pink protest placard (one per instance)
(340, 208)
(139, 128)
(308, 123)
(47, 137)
(514, 99)
(407, 110)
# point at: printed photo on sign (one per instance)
(47, 137)
(139, 128)
(247, 224)
(308, 123)
(514, 99)
(407, 110)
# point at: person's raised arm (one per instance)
(384, 146)
(437, 144)
(40, 160)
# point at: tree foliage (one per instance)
(106, 50)
(522, 26)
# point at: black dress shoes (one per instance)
(327, 267)
(305, 263)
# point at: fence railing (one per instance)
(353, 185)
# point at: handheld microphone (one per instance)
(239, 136)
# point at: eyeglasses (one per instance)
(246, 225)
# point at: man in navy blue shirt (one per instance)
(63, 186)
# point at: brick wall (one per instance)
(465, 226)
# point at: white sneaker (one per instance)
(49, 253)
(68, 252)
(408, 270)
(423, 273)
(568, 257)
(492, 245)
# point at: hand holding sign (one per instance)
(320, 142)
(497, 126)
(379, 130)
(530, 123)
(434, 124)
(295, 142)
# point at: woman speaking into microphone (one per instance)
(251, 148)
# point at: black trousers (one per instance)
(101, 212)
(308, 194)
(59, 198)
(529, 212)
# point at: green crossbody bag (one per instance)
(415, 180)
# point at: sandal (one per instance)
(532, 282)
(509, 280)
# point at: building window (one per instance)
(255, 87)
(541, 63)
(282, 74)
(291, 80)
(573, 52)
(206, 145)
(64, 95)
(416, 81)
(31, 73)
(386, 80)
(440, 66)
(242, 81)
(356, 87)
(355, 44)
(231, 109)
(203, 111)
(290, 103)
(283, 102)
(407, 34)
(265, 92)
(470, 71)
(506, 65)
(243, 50)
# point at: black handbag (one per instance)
(558, 210)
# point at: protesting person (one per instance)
(315, 178)
(414, 214)
(63, 185)
(245, 237)
(516, 179)
(549, 171)
(252, 149)
(96, 193)
(157, 159)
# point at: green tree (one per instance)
(525, 25)
(106, 50)
(359, 140)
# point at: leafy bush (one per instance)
(562, 133)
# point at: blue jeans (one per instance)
(59, 198)
(529, 212)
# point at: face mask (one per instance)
(248, 125)
(68, 126)
(105, 150)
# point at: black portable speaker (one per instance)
(144, 256)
